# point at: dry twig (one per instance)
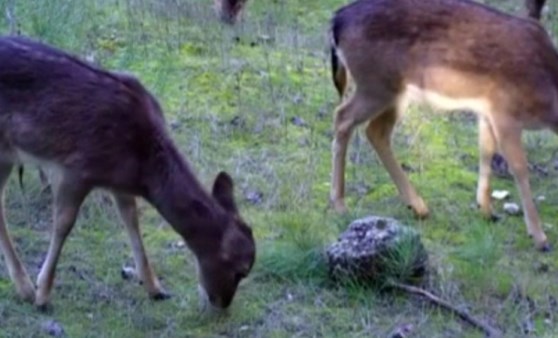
(489, 330)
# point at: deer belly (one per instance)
(441, 101)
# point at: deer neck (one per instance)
(176, 193)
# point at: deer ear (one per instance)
(223, 191)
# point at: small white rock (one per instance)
(512, 208)
(500, 194)
(541, 198)
(128, 273)
(179, 244)
(289, 296)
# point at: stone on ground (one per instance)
(376, 249)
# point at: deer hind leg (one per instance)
(68, 195)
(16, 270)
(379, 132)
(534, 8)
(127, 208)
(487, 149)
(355, 110)
(509, 141)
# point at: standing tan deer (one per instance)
(229, 10)
(90, 128)
(454, 55)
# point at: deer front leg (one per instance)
(378, 133)
(16, 270)
(358, 108)
(343, 129)
(128, 212)
(487, 148)
(509, 141)
(68, 197)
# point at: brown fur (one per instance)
(340, 76)
(229, 11)
(90, 128)
(455, 54)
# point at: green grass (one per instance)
(229, 95)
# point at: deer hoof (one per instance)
(339, 206)
(162, 295)
(420, 209)
(545, 247)
(27, 292)
(44, 308)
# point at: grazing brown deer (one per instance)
(90, 128)
(229, 10)
(454, 55)
(534, 8)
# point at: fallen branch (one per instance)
(489, 330)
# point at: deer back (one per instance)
(63, 112)
(455, 54)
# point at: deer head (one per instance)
(221, 270)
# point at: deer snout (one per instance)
(211, 305)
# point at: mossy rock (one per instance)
(376, 250)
